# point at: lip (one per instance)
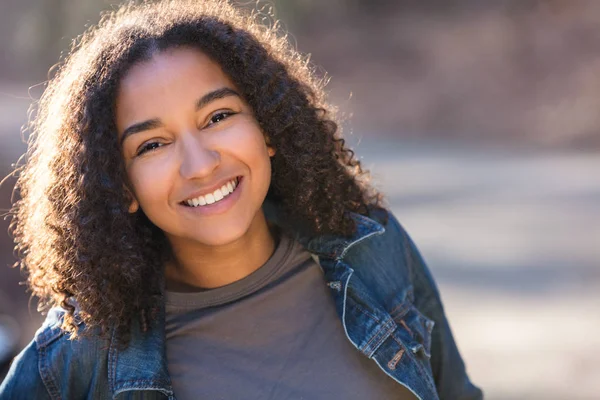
(210, 189)
(219, 207)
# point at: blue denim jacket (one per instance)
(384, 294)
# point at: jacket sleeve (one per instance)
(23, 380)
(449, 372)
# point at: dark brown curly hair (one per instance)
(73, 232)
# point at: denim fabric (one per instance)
(384, 293)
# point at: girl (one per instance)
(194, 221)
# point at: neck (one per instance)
(199, 266)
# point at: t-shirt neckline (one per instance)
(235, 290)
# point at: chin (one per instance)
(219, 237)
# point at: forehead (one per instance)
(181, 74)
(180, 57)
(169, 63)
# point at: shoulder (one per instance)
(51, 331)
(421, 278)
(57, 343)
(392, 233)
(394, 257)
(385, 259)
(27, 376)
(56, 364)
(391, 246)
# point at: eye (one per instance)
(219, 116)
(150, 146)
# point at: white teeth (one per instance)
(215, 196)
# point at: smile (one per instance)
(214, 197)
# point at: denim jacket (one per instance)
(384, 294)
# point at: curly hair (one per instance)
(73, 232)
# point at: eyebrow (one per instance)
(200, 103)
(215, 95)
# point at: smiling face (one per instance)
(194, 153)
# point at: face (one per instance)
(194, 153)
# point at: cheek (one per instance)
(250, 145)
(256, 154)
(150, 184)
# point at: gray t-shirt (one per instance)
(272, 335)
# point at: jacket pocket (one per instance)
(414, 328)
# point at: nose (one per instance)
(197, 159)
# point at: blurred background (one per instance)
(478, 119)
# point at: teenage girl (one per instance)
(195, 225)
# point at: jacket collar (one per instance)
(334, 246)
(329, 245)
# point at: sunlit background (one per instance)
(479, 120)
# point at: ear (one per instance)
(270, 148)
(133, 207)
